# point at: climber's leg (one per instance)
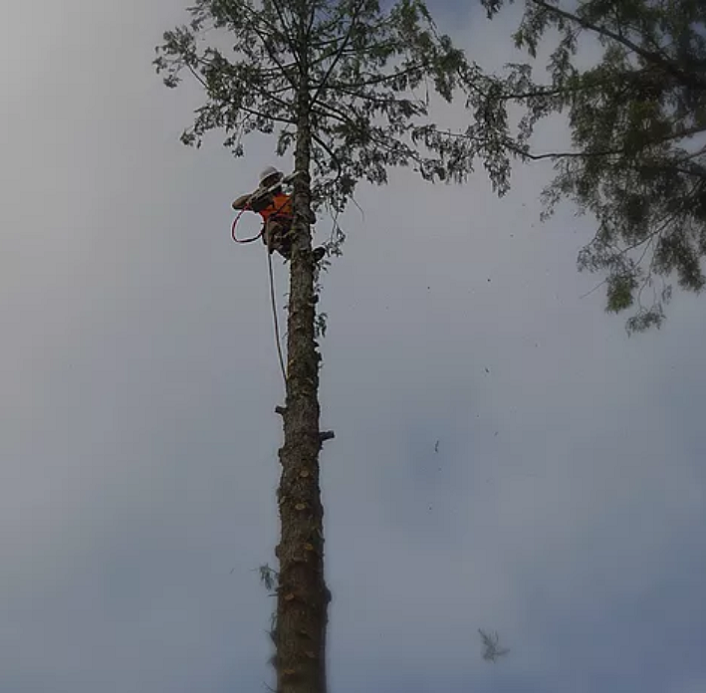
(278, 239)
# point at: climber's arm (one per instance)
(241, 202)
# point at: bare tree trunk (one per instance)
(302, 599)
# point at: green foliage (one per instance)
(620, 291)
(367, 72)
(638, 124)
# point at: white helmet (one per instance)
(269, 172)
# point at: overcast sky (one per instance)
(564, 507)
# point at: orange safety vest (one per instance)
(281, 205)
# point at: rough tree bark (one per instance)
(302, 599)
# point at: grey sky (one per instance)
(564, 507)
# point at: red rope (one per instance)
(235, 223)
(247, 208)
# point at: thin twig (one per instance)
(595, 288)
(339, 52)
(649, 56)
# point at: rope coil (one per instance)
(247, 208)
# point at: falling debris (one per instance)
(436, 446)
(487, 370)
(268, 577)
(491, 646)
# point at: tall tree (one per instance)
(347, 85)
(638, 125)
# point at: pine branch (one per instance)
(336, 161)
(288, 34)
(335, 113)
(246, 109)
(649, 56)
(272, 96)
(337, 56)
(587, 154)
(384, 78)
(257, 17)
(310, 23)
(274, 58)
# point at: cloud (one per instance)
(139, 440)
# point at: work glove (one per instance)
(240, 202)
(257, 204)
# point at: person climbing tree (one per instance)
(275, 208)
